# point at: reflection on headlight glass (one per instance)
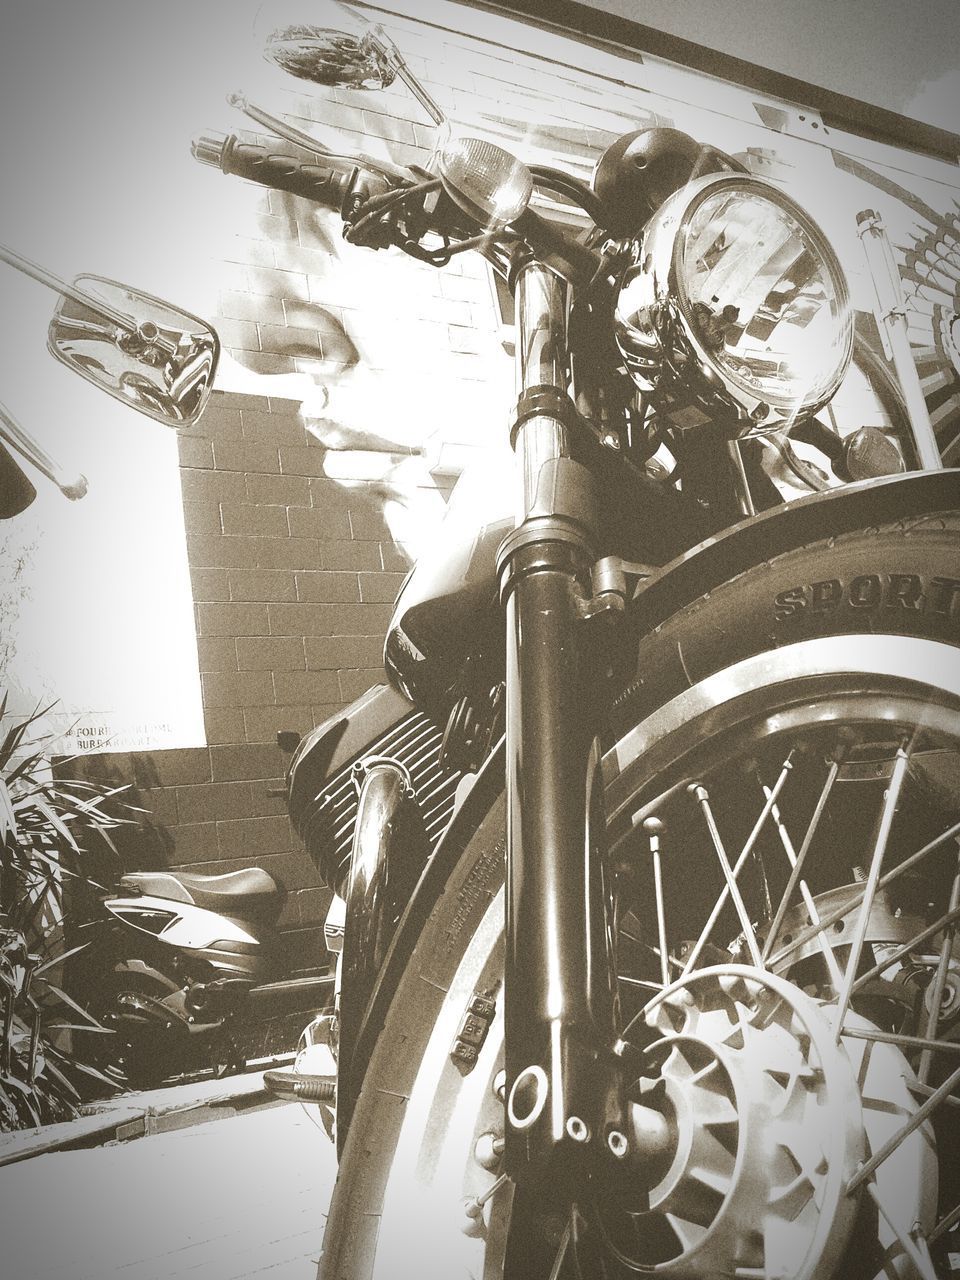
(762, 300)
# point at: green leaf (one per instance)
(88, 1070)
(8, 820)
(64, 1079)
(56, 823)
(73, 1026)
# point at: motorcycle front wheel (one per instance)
(783, 804)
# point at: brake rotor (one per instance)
(767, 1129)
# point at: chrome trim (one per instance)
(918, 662)
(661, 349)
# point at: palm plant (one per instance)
(50, 829)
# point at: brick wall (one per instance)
(293, 578)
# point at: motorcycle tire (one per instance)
(807, 712)
(144, 1054)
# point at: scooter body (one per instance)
(218, 936)
(232, 944)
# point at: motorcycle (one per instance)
(648, 849)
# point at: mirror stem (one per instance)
(50, 281)
(388, 50)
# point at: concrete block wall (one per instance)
(293, 577)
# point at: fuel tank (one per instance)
(447, 615)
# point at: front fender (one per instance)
(823, 515)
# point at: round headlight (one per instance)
(737, 278)
(487, 182)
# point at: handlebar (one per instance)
(329, 183)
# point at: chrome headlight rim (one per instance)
(677, 342)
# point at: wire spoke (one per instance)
(869, 1167)
(745, 852)
(797, 869)
(948, 920)
(943, 1226)
(920, 1257)
(702, 797)
(654, 828)
(838, 913)
(890, 802)
(561, 1252)
(901, 1040)
(792, 857)
(940, 980)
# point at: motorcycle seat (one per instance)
(250, 893)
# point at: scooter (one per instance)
(206, 954)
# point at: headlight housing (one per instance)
(737, 307)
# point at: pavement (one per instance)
(219, 1199)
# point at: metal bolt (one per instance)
(489, 1149)
(617, 1142)
(500, 1085)
(472, 1224)
(577, 1129)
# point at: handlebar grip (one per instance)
(325, 184)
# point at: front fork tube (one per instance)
(564, 1095)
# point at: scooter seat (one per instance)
(251, 893)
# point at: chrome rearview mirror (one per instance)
(138, 348)
(329, 57)
(362, 58)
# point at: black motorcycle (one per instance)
(649, 848)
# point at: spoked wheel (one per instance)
(783, 801)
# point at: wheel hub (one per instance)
(767, 1125)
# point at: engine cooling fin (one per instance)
(327, 822)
